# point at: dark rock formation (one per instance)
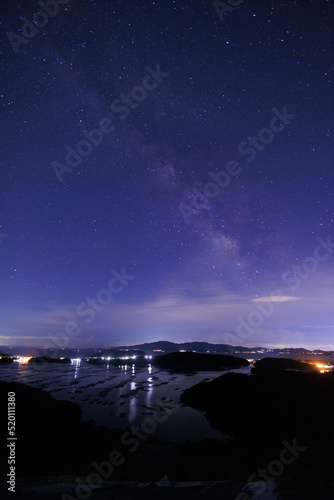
(194, 361)
(47, 359)
(278, 365)
(6, 360)
(273, 406)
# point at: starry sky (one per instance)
(167, 173)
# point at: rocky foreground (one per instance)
(284, 405)
(280, 421)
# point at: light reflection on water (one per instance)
(122, 396)
(77, 363)
(22, 369)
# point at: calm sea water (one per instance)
(121, 397)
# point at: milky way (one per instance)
(184, 144)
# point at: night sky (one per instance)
(201, 207)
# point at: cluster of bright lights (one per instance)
(76, 361)
(125, 357)
(23, 359)
(324, 368)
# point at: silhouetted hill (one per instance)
(197, 361)
(264, 410)
(47, 359)
(166, 346)
(207, 347)
(272, 365)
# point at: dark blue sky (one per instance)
(185, 100)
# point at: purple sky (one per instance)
(208, 177)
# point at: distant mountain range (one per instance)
(163, 346)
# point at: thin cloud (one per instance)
(280, 298)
